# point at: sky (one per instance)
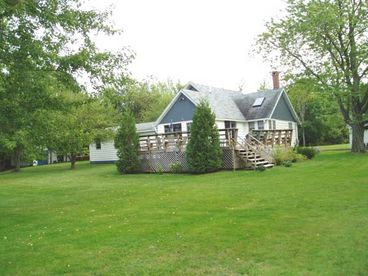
(204, 41)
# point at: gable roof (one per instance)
(233, 105)
(220, 100)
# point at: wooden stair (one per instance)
(249, 151)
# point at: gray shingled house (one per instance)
(249, 123)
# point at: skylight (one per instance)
(258, 102)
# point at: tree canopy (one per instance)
(326, 41)
(45, 47)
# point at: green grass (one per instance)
(309, 219)
(335, 147)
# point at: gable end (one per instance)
(282, 111)
(181, 110)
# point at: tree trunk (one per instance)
(358, 138)
(17, 155)
(303, 135)
(73, 160)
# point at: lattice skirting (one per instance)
(161, 161)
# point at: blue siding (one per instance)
(182, 110)
(282, 111)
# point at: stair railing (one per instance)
(263, 150)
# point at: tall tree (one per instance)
(320, 120)
(145, 99)
(203, 151)
(127, 142)
(301, 93)
(327, 40)
(82, 121)
(44, 47)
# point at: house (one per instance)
(365, 136)
(267, 116)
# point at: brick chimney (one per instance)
(276, 79)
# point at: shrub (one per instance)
(260, 168)
(126, 142)
(176, 167)
(160, 169)
(308, 152)
(203, 151)
(297, 157)
(288, 164)
(282, 154)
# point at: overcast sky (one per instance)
(205, 41)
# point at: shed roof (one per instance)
(146, 127)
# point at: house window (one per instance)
(230, 124)
(290, 125)
(260, 125)
(189, 126)
(172, 128)
(252, 126)
(167, 128)
(177, 127)
(98, 144)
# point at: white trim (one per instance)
(232, 120)
(191, 84)
(255, 120)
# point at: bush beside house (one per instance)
(203, 151)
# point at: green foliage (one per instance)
(321, 121)
(127, 143)
(287, 164)
(203, 151)
(282, 154)
(308, 152)
(44, 47)
(74, 128)
(176, 167)
(260, 168)
(146, 100)
(327, 42)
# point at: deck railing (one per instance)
(273, 137)
(178, 141)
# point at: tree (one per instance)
(203, 151)
(146, 99)
(81, 123)
(327, 41)
(127, 142)
(320, 120)
(44, 47)
(301, 94)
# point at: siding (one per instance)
(182, 110)
(106, 153)
(282, 111)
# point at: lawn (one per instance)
(309, 219)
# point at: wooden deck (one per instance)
(177, 141)
(158, 152)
